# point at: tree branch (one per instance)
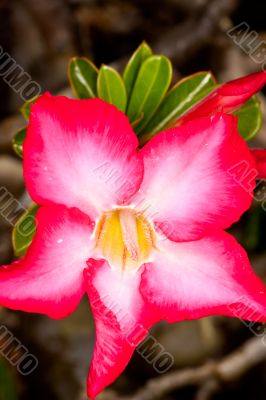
(181, 42)
(230, 368)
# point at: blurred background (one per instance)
(41, 36)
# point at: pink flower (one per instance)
(229, 97)
(141, 231)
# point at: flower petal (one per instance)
(193, 184)
(121, 322)
(227, 97)
(209, 276)
(80, 153)
(49, 279)
(260, 158)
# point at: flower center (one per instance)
(125, 238)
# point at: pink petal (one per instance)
(80, 153)
(260, 158)
(194, 181)
(210, 276)
(121, 322)
(49, 279)
(227, 97)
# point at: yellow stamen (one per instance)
(125, 238)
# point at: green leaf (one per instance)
(249, 118)
(24, 231)
(25, 108)
(149, 90)
(180, 98)
(111, 87)
(137, 121)
(82, 75)
(18, 140)
(132, 68)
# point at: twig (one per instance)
(184, 40)
(228, 369)
(207, 389)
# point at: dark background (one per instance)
(41, 35)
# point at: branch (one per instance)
(230, 368)
(183, 41)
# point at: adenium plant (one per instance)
(133, 189)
